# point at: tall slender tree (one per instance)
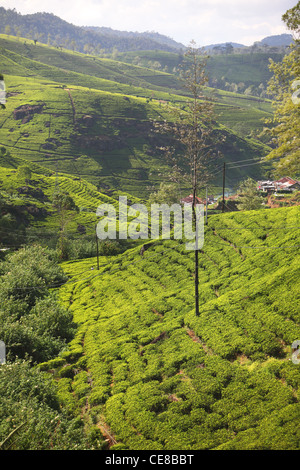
(193, 127)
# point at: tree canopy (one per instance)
(285, 85)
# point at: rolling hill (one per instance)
(38, 205)
(89, 116)
(138, 369)
(50, 29)
(154, 376)
(251, 68)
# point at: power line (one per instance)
(288, 227)
(34, 234)
(94, 275)
(248, 164)
(239, 161)
(147, 258)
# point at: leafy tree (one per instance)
(194, 153)
(64, 203)
(167, 194)
(109, 248)
(249, 196)
(62, 200)
(285, 85)
(31, 320)
(292, 19)
(7, 30)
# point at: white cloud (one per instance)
(205, 21)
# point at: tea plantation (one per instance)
(120, 360)
(152, 375)
(50, 208)
(91, 117)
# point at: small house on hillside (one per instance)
(266, 185)
(189, 200)
(283, 184)
(288, 184)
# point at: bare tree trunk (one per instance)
(196, 284)
(194, 130)
(196, 245)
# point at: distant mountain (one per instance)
(50, 29)
(152, 35)
(224, 45)
(278, 40)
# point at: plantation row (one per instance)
(114, 146)
(156, 376)
(65, 66)
(53, 210)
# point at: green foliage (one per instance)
(249, 197)
(56, 211)
(32, 322)
(166, 194)
(95, 116)
(292, 18)
(109, 248)
(165, 379)
(30, 405)
(139, 359)
(284, 85)
(63, 201)
(38, 413)
(24, 172)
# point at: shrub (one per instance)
(30, 404)
(32, 321)
(109, 248)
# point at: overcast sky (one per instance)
(204, 21)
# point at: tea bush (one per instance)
(30, 406)
(33, 323)
(166, 379)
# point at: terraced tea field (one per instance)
(154, 376)
(29, 213)
(91, 117)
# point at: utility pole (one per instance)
(97, 241)
(56, 189)
(223, 203)
(206, 201)
(196, 283)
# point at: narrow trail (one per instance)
(72, 104)
(106, 433)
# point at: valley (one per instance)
(88, 121)
(105, 349)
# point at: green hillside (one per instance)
(141, 370)
(90, 117)
(50, 208)
(251, 68)
(51, 29)
(154, 376)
